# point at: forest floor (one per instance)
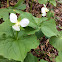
(46, 51)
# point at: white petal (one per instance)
(43, 9)
(13, 18)
(24, 22)
(44, 14)
(16, 28)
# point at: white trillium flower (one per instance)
(44, 10)
(23, 23)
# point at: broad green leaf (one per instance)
(30, 58)
(4, 13)
(39, 34)
(2, 59)
(59, 57)
(5, 28)
(17, 11)
(19, 18)
(37, 20)
(6, 60)
(53, 2)
(43, 60)
(29, 30)
(49, 28)
(56, 42)
(50, 14)
(17, 49)
(43, 19)
(42, 1)
(40, 20)
(20, 5)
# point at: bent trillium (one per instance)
(44, 10)
(23, 23)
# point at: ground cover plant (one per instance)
(30, 31)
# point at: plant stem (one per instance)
(31, 5)
(16, 35)
(7, 3)
(12, 32)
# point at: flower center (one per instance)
(46, 10)
(17, 23)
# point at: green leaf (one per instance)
(59, 57)
(30, 30)
(17, 49)
(2, 59)
(37, 20)
(42, 1)
(30, 58)
(43, 19)
(39, 34)
(19, 18)
(49, 28)
(50, 14)
(27, 31)
(20, 5)
(4, 13)
(53, 2)
(40, 20)
(56, 42)
(42, 60)
(6, 60)
(5, 28)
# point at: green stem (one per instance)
(7, 3)
(16, 35)
(12, 33)
(31, 5)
